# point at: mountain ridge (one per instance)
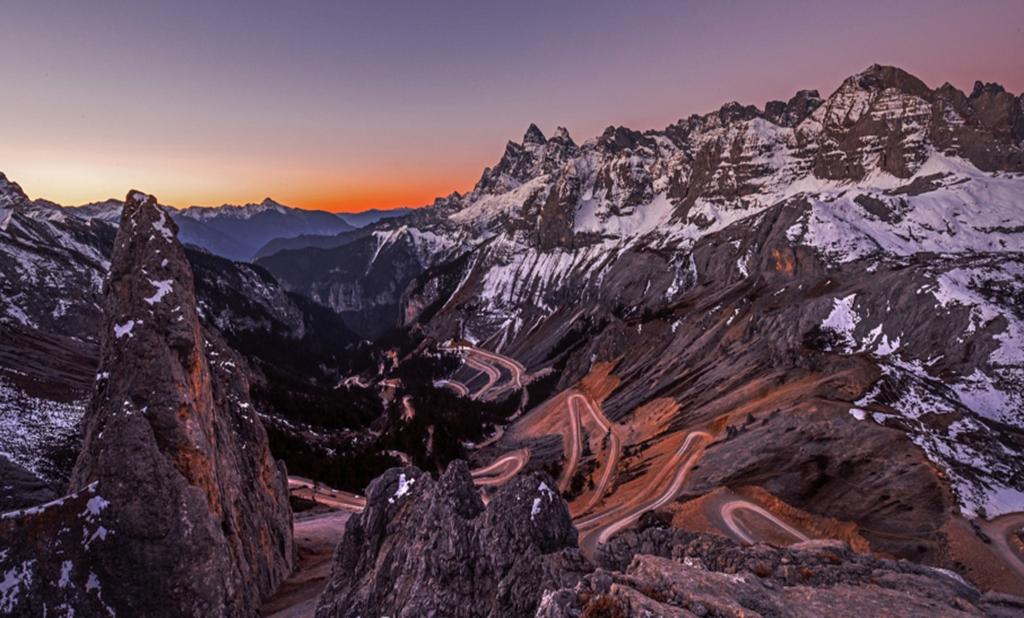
(841, 250)
(238, 232)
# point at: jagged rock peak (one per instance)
(534, 135)
(878, 77)
(616, 139)
(8, 185)
(11, 193)
(793, 112)
(189, 512)
(426, 547)
(982, 88)
(734, 111)
(562, 135)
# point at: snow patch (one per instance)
(404, 485)
(161, 226)
(545, 492)
(65, 574)
(120, 330)
(843, 319)
(163, 288)
(14, 580)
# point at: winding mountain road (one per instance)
(728, 512)
(598, 528)
(514, 367)
(334, 498)
(614, 445)
(575, 447)
(488, 363)
(493, 375)
(502, 469)
(1000, 530)
(457, 387)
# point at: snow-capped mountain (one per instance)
(238, 232)
(234, 232)
(10, 193)
(871, 241)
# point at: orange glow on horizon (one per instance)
(69, 182)
(382, 198)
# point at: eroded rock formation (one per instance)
(177, 507)
(426, 547)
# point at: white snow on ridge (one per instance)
(545, 492)
(10, 587)
(489, 206)
(520, 275)
(428, 246)
(644, 219)
(959, 287)
(971, 211)
(234, 211)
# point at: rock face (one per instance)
(427, 547)
(180, 507)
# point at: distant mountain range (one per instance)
(239, 233)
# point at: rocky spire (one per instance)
(534, 135)
(792, 113)
(176, 397)
(562, 135)
(188, 514)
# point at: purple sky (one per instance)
(384, 104)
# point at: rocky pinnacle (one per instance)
(177, 508)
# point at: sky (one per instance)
(346, 106)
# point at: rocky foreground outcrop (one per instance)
(177, 508)
(658, 571)
(427, 547)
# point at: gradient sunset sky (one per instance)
(348, 106)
